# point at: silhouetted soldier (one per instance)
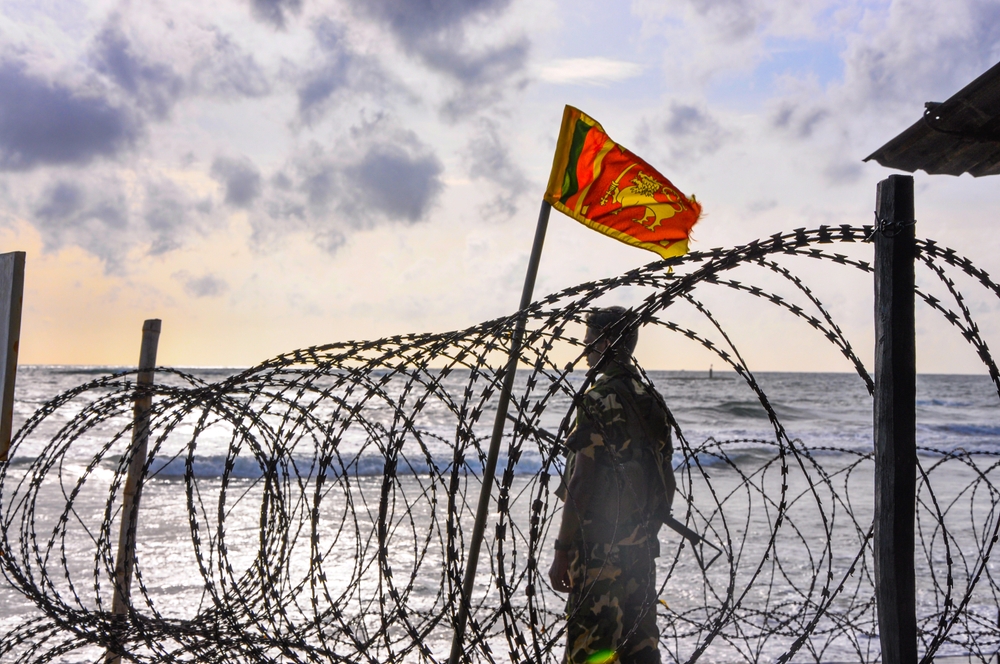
(620, 487)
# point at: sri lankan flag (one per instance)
(602, 185)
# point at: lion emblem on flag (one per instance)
(661, 202)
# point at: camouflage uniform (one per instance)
(612, 604)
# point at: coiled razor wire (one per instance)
(328, 495)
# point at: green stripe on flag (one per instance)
(570, 183)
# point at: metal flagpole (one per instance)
(465, 601)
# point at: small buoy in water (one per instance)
(710, 371)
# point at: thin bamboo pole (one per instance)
(125, 560)
(465, 601)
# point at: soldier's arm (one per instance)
(577, 499)
(583, 441)
(578, 496)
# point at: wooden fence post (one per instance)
(125, 560)
(895, 421)
(11, 297)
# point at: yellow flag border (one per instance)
(677, 248)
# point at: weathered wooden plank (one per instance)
(895, 421)
(11, 298)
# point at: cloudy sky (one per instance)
(265, 175)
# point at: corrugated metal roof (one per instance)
(961, 135)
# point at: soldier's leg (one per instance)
(641, 636)
(594, 615)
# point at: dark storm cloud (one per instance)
(95, 221)
(337, 74)
(928, 51)
(685, 120)
(434, 30)
(417, 20)
(732, 19)
(332, 75)
(387, 177)
(240, 179)
(387, 182)
(914, 52)
(489, 159)
(46, 123)
(302, 201)
(690, 129)
(169, 215)
(798, 119)
(275, 12)
(221, 68)
(207, 285)
(321, 186)
(109, 218)
(843, 170)
(400, 185)
(318, 87)
(229, 71)
(493, 65)
(759, 206)
(154, 86)
(60, 203)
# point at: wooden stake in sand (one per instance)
(133, 481)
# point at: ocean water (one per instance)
(356, 545)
